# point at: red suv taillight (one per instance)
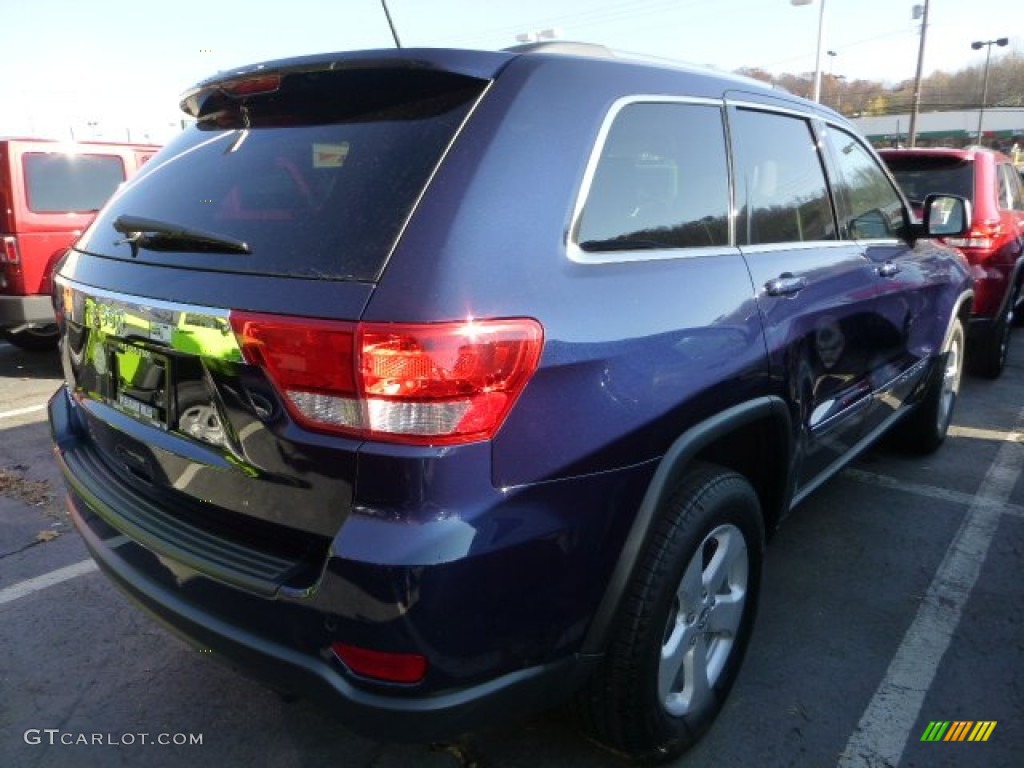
(982, 236)
(11, 254)
(436, 383)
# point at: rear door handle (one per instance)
(888, 270)
(785, 284)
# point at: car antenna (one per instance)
(394, 32)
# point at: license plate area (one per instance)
(140, 381)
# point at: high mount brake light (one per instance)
(252, 86)
(436, 383)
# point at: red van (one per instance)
(49, 192)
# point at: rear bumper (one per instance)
(993, 281)
(391, 718)
(20, 311)
(283, 639)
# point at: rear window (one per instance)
(316, 175)
(781, 191)
(69, 183)
(922, 176)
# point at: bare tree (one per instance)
(939, 91)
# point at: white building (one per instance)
(1000, 126)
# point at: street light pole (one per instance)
(821, 39)
(834, 79)
(920, 68)
(839, 93)
(977, 45)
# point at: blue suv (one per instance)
(441, 386)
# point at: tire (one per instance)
(34, 339)
(677, 643)
(923, 431)
(989, 360)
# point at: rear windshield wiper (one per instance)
(162, 235)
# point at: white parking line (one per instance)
(884, 728)
(930, 491)
(22, 411)
(27, 587)
(975, 433)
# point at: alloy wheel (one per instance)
(702, 626)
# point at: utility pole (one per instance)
(920, 70)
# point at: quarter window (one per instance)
(780, 184)
(662, 181)
(873, 209)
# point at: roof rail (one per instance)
(566, 47)
(596, 50)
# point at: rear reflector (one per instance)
(437, 383)
(379, 665)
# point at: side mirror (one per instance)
(946, 216)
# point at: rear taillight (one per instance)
(432, 383)
(982, 237)
(11, 254)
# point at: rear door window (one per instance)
(317, 175)
(661, 181)
(70, 183)
(780, 183)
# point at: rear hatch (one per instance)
(211, 310)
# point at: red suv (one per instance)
(49, 192)
(995, 244)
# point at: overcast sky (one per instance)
(66, 61)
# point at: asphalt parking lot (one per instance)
(893, 600)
